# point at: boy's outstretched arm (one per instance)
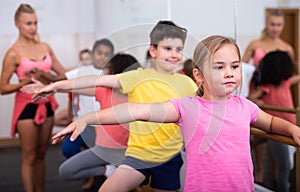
(41, 92)
(123, 113)
(272, 124)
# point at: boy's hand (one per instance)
(76, 128)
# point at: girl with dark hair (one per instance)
(272, 82)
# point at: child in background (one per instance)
(85, 58)
(187, 69)
(111, 140)
(215, 124)
(153, 148)
(65, 116)
(102, 51)
(273, 81)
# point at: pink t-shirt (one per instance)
(111, 136)
(216, 136)
(279, 96)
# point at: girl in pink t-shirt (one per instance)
(215, 125)
(272, 82)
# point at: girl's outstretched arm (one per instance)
(123, 113)
(271, 124)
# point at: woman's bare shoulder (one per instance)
(11, 54)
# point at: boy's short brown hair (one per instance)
(166, 29)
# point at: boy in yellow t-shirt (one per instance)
(153, 148)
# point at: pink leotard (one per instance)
(258, 54)
(27, 64)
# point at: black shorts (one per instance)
(30, 111)
(164, 176)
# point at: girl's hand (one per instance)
(44, 92)
(33, 87)
(76, 128)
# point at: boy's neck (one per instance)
(163, 71)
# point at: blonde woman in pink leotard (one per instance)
(33, 121)
(269, 41)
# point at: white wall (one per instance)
(71, 25)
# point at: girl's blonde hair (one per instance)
(23, 8)
(275, 13)
(205, 51)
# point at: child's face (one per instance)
(86, 59)
(223, 75)
(167, 55)
(101, 55)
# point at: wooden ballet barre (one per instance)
(282, 138)
(273, 136)
(281, 109)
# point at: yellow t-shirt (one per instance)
(154, 142)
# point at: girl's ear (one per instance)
(152, 51)
(198, 75)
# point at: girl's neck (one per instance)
(214, 97)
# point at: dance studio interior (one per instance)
(69, 26)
